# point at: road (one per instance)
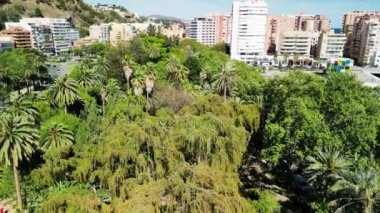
(366, 76)
(57, 70)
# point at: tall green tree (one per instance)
(28, 70)
(176, 71)
(64, 92)
(358, 192)
(18, 141)
(325, 168)
(87, 78)
(103, 65)
(23, 108)
(138, 81)
(57, 136)
(154, 53)
(225, 80)
(128, 71)
(150, 77)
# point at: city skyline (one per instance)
(187, 9)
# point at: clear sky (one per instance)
(188, 9)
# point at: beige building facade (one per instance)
(331, 45)
(120, 32)
(298, 43)
(22, 37)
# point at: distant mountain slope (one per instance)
(169, 18)
(80, 13)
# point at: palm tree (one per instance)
(177, 72)
(64, 92)
(103, 65)
(204, 75)
(57, 136)
(21, 107)
(138, 82)
(128, 71)
(86, 63)
(172, 64)
(41, 70)
(358, 190)
(188, 51)
(27, 72)
(87, 78)
(154, 53)
(8, 77)
(150, 76)
(325, 168)
(18, 140)
(225, 80)
(111, 91)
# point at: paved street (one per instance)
(367, 76)
(57, 70)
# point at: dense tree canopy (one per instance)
(161, 125)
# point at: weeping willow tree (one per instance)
(70, 199)
(166, 162)
(56, 167)
(197, 188)
(128, 151)
(212, 139)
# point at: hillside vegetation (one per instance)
(80, 13)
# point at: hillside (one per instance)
(81, 14)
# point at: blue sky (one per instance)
(188, 9)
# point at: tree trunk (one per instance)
(103, 107)
(128, 86)
(225, 93)
(368, 207)
(18, 188)
(27, 87)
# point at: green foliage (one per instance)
(362, 189)
(66, 199)
(151, 133)
(38, 12)
(57, 136)
(226, 79)
(18, 140)
(266, 203)
(64, 92)
(68, 120)
(220, 47)
(45, 110)
(196, 46)
(55, 169)
(83, 32)
(7, 187)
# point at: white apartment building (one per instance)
(370, 44)
(143, 27)
(375, 59)
(74, 34)
(210, 29)
(249, 19)
(61, 31)
(331, 45)
(100, 32)
(298, 43)
(203, 30)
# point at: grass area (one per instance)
(70, 65)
